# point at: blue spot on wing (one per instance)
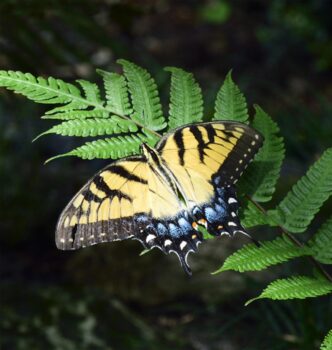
(211, 215)
(217, 180)
(161, 229)
(174, 231)
(184, 225)
(142, 218)
(221, 210)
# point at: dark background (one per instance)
(107, 297)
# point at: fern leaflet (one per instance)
(116, 92)
(253, 258)
(115, 147)
(321, 243)
(91, 127)
(299, 287)
(186, 101)
(327, 342)
(300, 205)
(77, 114)
(261, 177)
(251, 216)
(91, 91)
(40, 90)
(230, 102)
(144, 96)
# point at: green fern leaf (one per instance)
(78, 114)
(91, 127)
(144, 96)
(109, 148)
(299, 287)
(327, 342)
(117, 99)
(186, 101)
(91, 91)
(40, 90)
(253, 258)
(321, 243)
(230, 102)
(251, 216)
(300, 205)
(261, 176)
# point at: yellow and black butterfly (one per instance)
(161, 196)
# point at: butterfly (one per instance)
(162, 196)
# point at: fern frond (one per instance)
(40, 90)
(116, 92)
(299, 287)
(186, 101)
(230, 102)
(78, 114)
(91, 127)
(300, 205)
(251, 216)
(327, 342)
(261, 176)
(253, 258)
(144, 96)
(321, 243)
(109, 148)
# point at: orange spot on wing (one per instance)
(194, 225)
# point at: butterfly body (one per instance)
(160, 197)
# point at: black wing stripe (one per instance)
(178, 138)
(120, 170)
(102, 186)
(199, 138)
(211, 132)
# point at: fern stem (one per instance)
(317, 264)
(135, 122)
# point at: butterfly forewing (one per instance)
(103, 209)
(224, 148)
(207, 159)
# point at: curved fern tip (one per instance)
(250, 301)
(171, 69)
(39, 136)
(218, 271)
(101, 71)
(258, 108)
(122, 62)
(56, 157)
(229, 74)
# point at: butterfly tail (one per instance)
(184, 264)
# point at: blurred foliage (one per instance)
(216, 11)
(281, 55)
(67, 318)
